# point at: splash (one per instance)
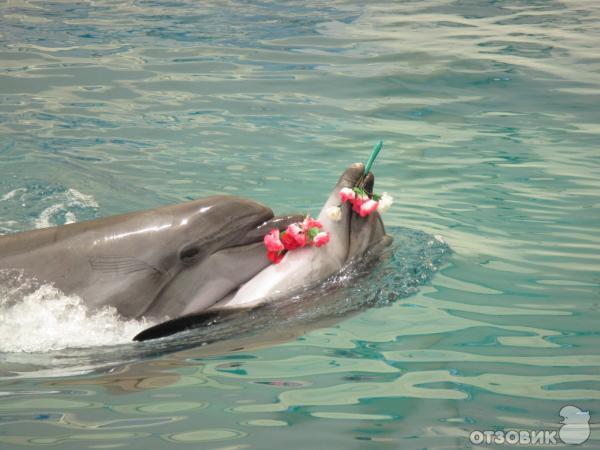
(36, 317)
(40, 318)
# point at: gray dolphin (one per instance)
(168, 261)
(351, 238)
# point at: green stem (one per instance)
(374, 154)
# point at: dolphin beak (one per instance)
(369, 182)
(351, 175)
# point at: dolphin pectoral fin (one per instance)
(187, 322)
(121, 265)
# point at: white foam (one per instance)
(47, 319)
(11, 194)
(440, 238)
(80, 199)
(73, 199)
(38, 317)
(45, 218)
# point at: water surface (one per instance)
(489, 112)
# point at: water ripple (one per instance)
(489, 112)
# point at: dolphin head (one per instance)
(216, 246)
(214, 223)
(353, 235)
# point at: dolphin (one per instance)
(169, 261)
(351, 238)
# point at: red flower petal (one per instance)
(309, 223)
(357, 203)
(347, 194)
(321, 239)
(272, 241)
(296, 231)
(368, 207)
(275, 257)
(289, 243)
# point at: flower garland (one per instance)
(362, 203)
(309, 233)
(300, 234)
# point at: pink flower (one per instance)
(275, 257)
(321, 239)
(309, 223)
(368, 207)
(298, 233)
(358, 202)
(347, 194)
(288, 241)
(272, 241)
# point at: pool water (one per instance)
(483, 315)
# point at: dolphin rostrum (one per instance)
(351, 238)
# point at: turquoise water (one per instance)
(489, 112)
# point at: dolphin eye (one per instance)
(189, 253)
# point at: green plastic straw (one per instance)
(374, 154)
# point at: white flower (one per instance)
(334, 213)
(385, 202)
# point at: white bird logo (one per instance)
(576, 427)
